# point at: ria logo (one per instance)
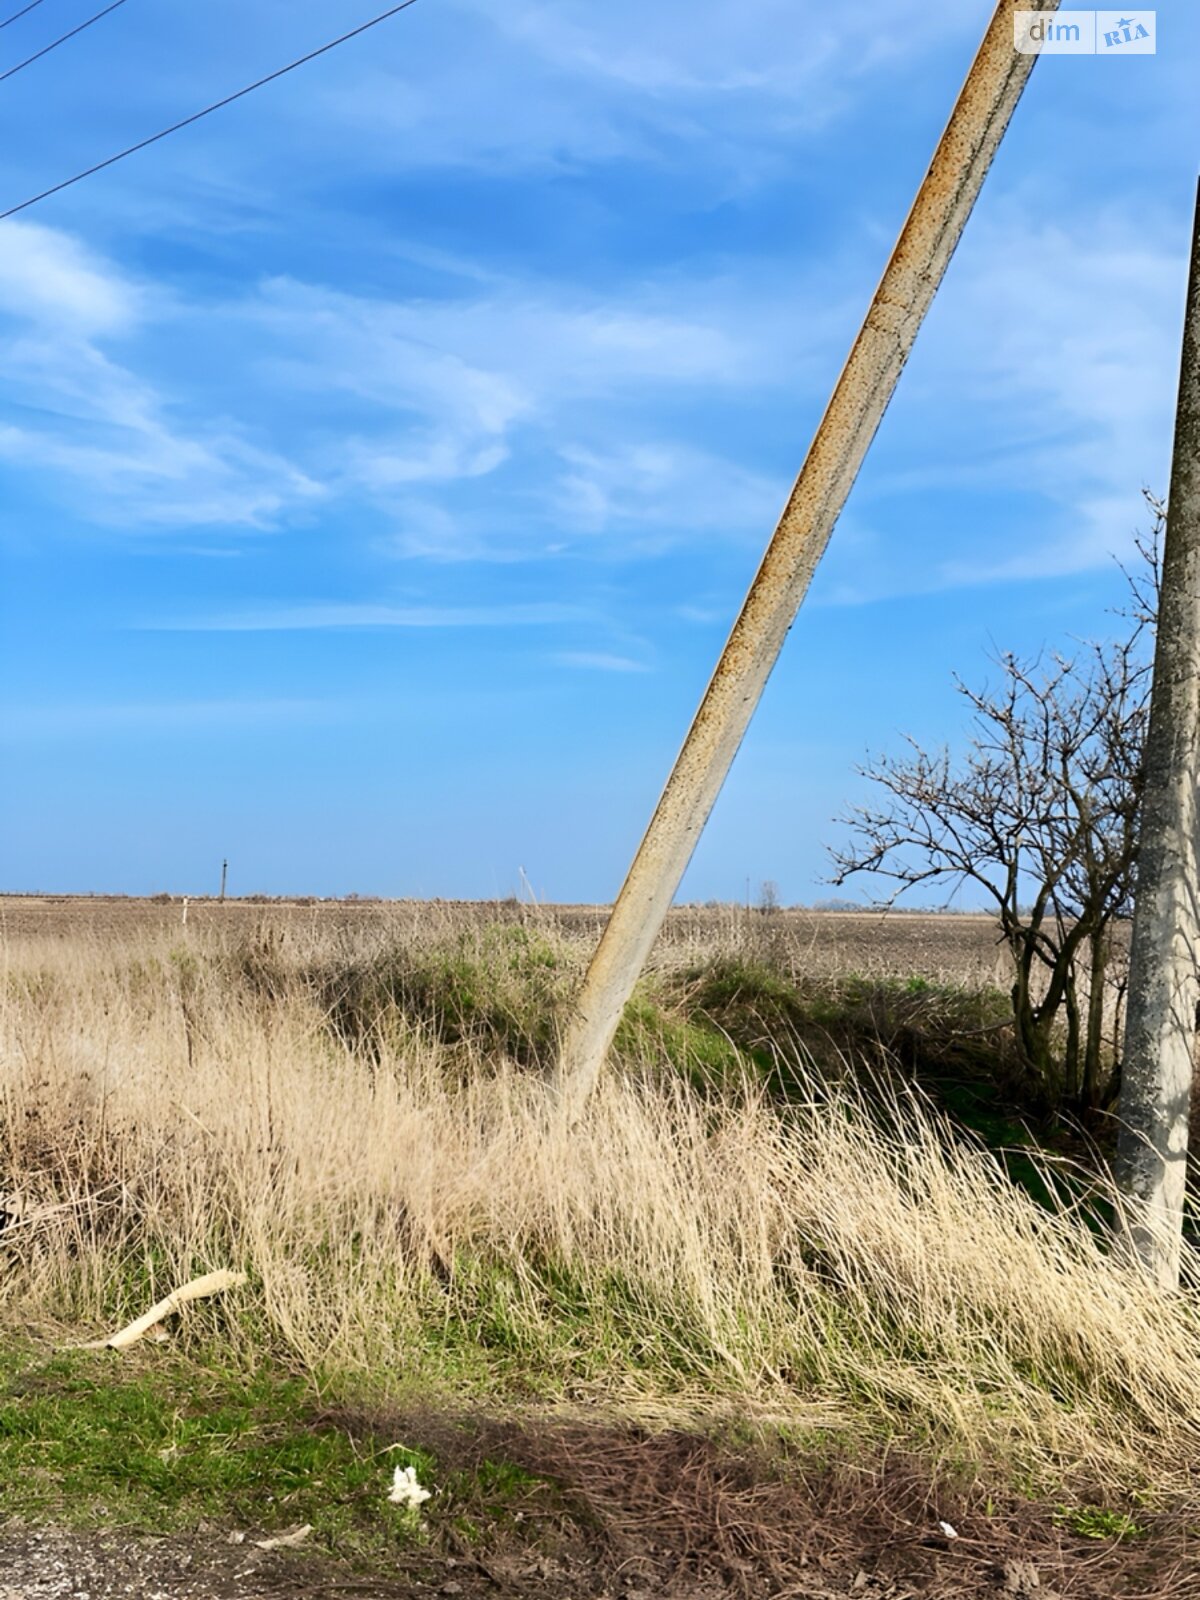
(1128, 30)
(1084, 33)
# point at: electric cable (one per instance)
(45, 51)
(207, 111)
(17, 15)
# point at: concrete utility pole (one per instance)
(1160, 1027)
(224, 874)
(960, 163)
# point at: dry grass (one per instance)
(872, 944)
(407, 1213)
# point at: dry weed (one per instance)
(408, 1212)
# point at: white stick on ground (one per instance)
(198, 1289)
(285, 1541)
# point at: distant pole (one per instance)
(224, 873)
(1160, 1026)
(960, 163)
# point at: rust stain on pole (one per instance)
(960, 164)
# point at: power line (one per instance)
(37, 56)
(208, 110)
(17, 15)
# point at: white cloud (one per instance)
(154, 477)
(599, 661)
(32, 722)
(662, 487)
(49, 278)
(1047, 374)
(762, 47)
(729, 94)
(490, 362)
(1066, 347)
(392, 353)
(103, 435)
(356, 614)
(536, 377)
(1048, 364)
(144, 409)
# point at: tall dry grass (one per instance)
(408, 1213)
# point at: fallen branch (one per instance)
(198, 1289)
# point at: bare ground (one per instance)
(631, 1516)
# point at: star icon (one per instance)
(1124, 22)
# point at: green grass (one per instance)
(734, 1016)
(495, 988)
(939, 1030)
(651, 1030)
(1096, 1522)
(152, 1442)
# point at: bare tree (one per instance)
(1041, 815)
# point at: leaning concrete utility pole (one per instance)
(960, 163)
(1164, 986)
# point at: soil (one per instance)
(51, 1564)
(625, 1515)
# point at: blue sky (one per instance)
(384, 458)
